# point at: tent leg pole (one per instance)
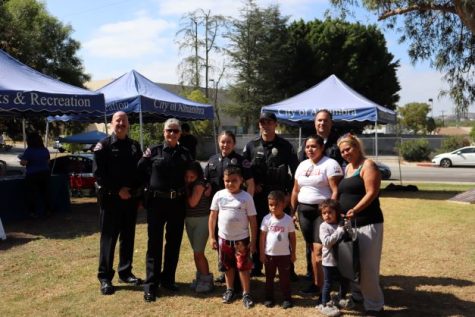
(46, 132)
(376, 140)
(23, 127)
(105, 123)
(299, 147)
(141, 129)
(215, 137)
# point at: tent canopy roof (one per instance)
(334, 95)
(134, 93)
(23, 89)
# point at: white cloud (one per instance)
(130, 39)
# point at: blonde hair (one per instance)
(353, 141)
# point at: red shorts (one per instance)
(234, 254)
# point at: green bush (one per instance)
(452, 143)
(415, 150)
(472, 133)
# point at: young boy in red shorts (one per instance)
(234, 211)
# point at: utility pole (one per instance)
(431, 107)
(443, 122)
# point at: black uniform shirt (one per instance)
(164, 167)
(331, 150)
(270, 163)
(115, 163)
(214, 170)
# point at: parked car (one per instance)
(384, 169)
(72, 163)
(58, 146)
(461, 157)
(84, 147)
(79, 169)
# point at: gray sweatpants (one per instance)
(370, 245)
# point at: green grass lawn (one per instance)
(48, 267)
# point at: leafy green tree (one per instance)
(203, 127)
(355, 53)
(414, 116)
(430, 125)
(30, 34)
(441, 31)
(257, 42)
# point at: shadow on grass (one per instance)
(82, 220)
(257, 292)
(16, 239)
(414, 296)
(421, 194)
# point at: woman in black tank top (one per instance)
(358, 194)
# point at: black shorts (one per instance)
(310, 221)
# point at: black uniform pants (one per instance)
(117, 221)
(169, 215)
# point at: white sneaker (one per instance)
(330, 311)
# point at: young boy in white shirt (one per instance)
(233, 210)
(277, 248)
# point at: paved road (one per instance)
(414, 172)
(409, 171)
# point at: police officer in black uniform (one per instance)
(323, 126)
(214, 172)
(273, 163)
(115, 169)
(164, 166)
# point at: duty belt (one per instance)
(171, 194)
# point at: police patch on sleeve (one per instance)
(246, 164)
(98, 147)
(147, 153)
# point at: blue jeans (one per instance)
(331, 276)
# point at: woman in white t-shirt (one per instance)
(316, 179)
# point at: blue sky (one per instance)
(120, 35)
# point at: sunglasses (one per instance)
(172, 130)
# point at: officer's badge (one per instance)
(246, 164)
(274, 151)
(147, 153)
(233, 161)
(183, 157)
(134, 149)
(98, 147)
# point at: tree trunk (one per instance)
(466, 11)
